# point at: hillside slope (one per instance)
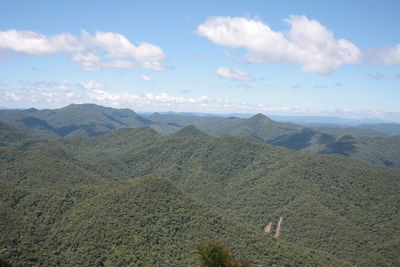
(137, 222)
(331, 203)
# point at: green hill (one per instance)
(191, 131)
(53, 192)
(259, 127)
(368, 143)
(331, 203)
(145, 221)
(9, 135)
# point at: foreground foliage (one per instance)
(215, 255)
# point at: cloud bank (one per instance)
(93, 52)
(307, 42)
(91, 85)
(54, 97)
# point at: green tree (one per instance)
(215, 255)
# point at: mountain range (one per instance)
(375, 143)
(135, 197)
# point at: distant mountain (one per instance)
(92, 120)
(385, 128)
(334, 129)
(356, 142)
(73, 120)
(258, 126)
(191, 131)
(204, 123)
(306, 120)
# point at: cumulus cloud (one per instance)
(159, 101)
(94, 52)
(387, 56)
(118, 46)
(91, 85)
(307, 42)
(234, 74)
(145, 78)
(37, 44)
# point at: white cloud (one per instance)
(63, 85)
(89, 61)
(94, 52)
(118, 46)
(37, 44)
(11, 96)
(161, 102)
(234, 74)
(43, 96)
(91, 85)
(145, 78)
(388, 56)
(307, 42)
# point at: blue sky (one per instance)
(336, 58)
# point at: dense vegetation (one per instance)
(135, 197)
(59, 210)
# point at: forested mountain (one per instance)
(367, 142)
(73, 120)
(344, 207)
(81, 201)
(59, 208)
(190, 131)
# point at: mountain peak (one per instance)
(260, 116)
(191, 131)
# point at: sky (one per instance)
(319, 58)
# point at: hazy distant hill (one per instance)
(73, 120)
(354, 142)
(204, 123)
(370, 144)
(385, 128)
(344, 130)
